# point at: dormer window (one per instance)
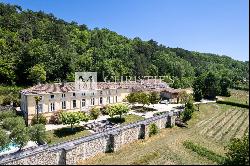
(63, 95)
(52, 96)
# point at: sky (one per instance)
(211, 26)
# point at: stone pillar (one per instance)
(62, 157)
(171, 121)
(110, 144)
(142, 132)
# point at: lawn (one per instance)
(65, 134)
(210, 129)
(126, 119)
(238, 96)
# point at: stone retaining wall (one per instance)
(79, 149)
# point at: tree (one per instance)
(38, 133)
(12, 122)
(117, 109)
(238, 151)
(186, 114)
(4, 139)
(143, 98)
(184, 97)
(94, 113)
(197, 89)
(131, 98)
(224, 84)
(37, 73)
(72, 118)
(154, 97)
(20, 136)
(211, 86)
(7, 114)
(37, 99)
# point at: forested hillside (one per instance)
(35, 46)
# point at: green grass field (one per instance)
(238, 96)
(211, 128)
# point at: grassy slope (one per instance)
(167, 147)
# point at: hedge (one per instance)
(232, 103)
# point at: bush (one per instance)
(41, 119)
(12, 122)
(56, 118)
(233, 103)
(238, 151)
(7, 114)
(4, 139)
(153, 129)
(94, 113)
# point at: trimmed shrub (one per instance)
(153, 129)
(41, 119)
(202, 151)
(232, 103)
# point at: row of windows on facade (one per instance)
(83, 103)
(83, 94)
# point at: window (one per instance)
(40, 108)
(93, 93)
(63, 95)
(52, 96)
(52, 106)
(100, 100)
(100, 92)
(74, 103)
(92, 101)
(108, 99)
(83, 102)
(116, 91)
(74, 94)
(116, 99)
(83, 94)
(64, 105)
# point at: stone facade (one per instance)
(68, 153)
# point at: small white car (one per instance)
(164, 102)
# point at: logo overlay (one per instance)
(85, 81)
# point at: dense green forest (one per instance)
(35, 46)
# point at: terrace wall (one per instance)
(70, 152)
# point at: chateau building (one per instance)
(63, 96)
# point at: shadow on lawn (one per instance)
(116, 120)
(67, 131)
